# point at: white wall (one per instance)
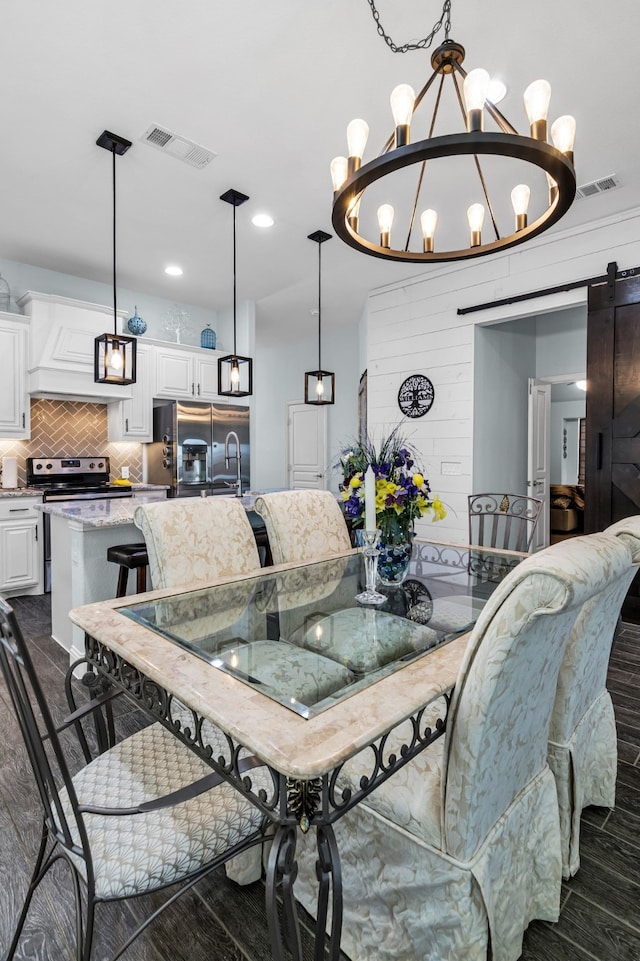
(505, 359)
(562, 336)
(279, 379)
(414, 327)
(153, 310)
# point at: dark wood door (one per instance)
(612, 482)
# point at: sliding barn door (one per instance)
(612, 481)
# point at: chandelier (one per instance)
(480, 163)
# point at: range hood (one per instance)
(62, 335)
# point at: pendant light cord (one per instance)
(115, 296)
(319, 305)
(235, 353)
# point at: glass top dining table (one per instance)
(300, 637)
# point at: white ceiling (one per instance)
(270, 87)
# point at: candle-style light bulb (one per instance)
(385, 220)
(475, 218)
(520, 196)
(357, 133)
(428, 222)
(563, 134)
(536, 103)
(234, 377)
(338, 172)
(402, 100)
(319, 387)
(475, 87)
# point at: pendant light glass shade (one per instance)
(114, 355)
(235, 373)
(319, 385)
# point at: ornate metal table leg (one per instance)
(329, 876)
(282, 870)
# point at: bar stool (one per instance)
(130, 557)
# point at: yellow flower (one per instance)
(356, 480)
(345, 495)
(418, 480)
(439, 512)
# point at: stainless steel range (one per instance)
(69, 479)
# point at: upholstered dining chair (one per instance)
(582, 738)
(503, 521)
(142, 816)
(192, 540)
(454, 855)
(303, 525)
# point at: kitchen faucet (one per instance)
(238, 458)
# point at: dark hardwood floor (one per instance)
(219, 921)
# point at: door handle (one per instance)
(599, 452)
(126, 424)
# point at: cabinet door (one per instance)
(174, 374)
(19, 554)
(14, 400)
(207, 378)
(132, 419)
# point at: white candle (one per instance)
(369, 499)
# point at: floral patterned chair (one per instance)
(454, 855)
(303, 525)
(582, 738)
(192, 540)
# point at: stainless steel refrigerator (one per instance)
(199, 448)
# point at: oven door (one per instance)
(69, 497)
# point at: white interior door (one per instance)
(539, 454)
(307, 447)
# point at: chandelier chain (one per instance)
(423, 44)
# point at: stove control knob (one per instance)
(91, 465)
(165, 451)
(49, 466)
(100, 465)
(166, 439)
(166, 463)
(38, 466)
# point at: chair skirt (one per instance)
(404, 899)
(585, 770)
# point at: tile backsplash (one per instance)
(63, 428)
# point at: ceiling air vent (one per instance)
(597, 187)
(179, 147)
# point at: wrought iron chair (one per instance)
(144, 815)
(503, 521)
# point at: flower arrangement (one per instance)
(402, 491)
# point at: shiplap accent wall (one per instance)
(413, 327)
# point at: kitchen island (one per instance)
(81, 533)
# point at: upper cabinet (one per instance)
(61, 350)
(132, 419)
(183, 373)
(15, 421)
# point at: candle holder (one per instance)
(370, 554)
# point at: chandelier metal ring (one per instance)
(537, 152)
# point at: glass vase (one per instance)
(395, 546)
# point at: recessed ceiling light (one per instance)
(262, 220)
(173, 270)
(497, 91)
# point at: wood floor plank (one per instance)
(547, 942)
(606, 937)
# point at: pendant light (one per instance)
(235, 373)
(114, 356)
(319, 385)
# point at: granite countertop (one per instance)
(20, 492)
(108, 512)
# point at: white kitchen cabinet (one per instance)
(183, 373)
(21, 562)
(15, 407)
(61, 346)
(131, 419)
